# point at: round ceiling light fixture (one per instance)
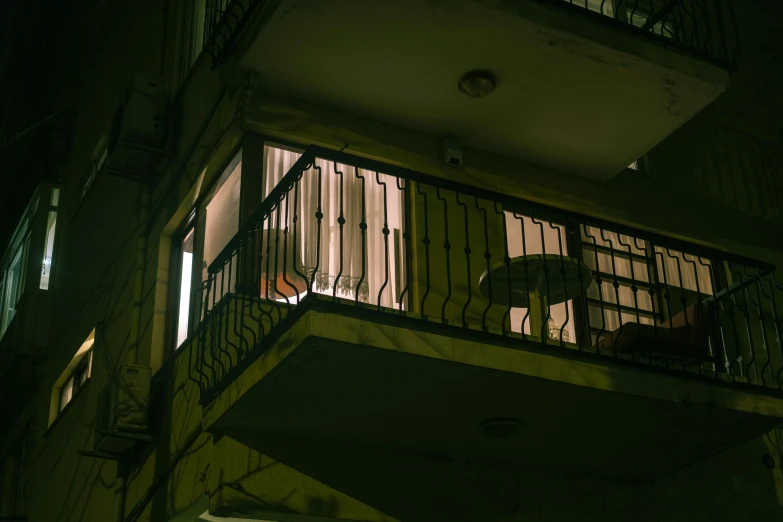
(499, 428)
(477, 84)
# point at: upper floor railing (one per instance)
(704, 28)
(368, 235)
(223, 23)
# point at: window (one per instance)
(73, 379)
(92, 172)
(13, 285)
(51, 225)
(636, 278)
(76, 381)
(222, 218)
(185, 278)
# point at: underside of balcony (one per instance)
(576, 90)
(379, 380)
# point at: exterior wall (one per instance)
(689, 195)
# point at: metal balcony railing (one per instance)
(223, 23)
(350, 233)
(704, 28)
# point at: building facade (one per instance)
(392, 260)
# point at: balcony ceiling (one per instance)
(567, 97)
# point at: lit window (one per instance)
(73, 379)
(185, 278)
(46, 268)
(77, 380)
(222, 220)
(13, 286)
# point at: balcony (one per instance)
(25, 276)
(584, 87)
(376, 307)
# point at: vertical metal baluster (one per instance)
(730, 305)
(579, 331)
(250, 271)
(235, 300)
(544, 320)
(507, 262)
(277, 259)
(694, 23)
(757, 303)
(652, 277)
(598, 281)
(634, 288)
(723, 51)
(295, 221)
(711, 315)
(363, 228)
(447, 248)
(319, 215)
(285, 248)
(263, 301)
(488, 257)
(340, 223)
(709, 43)
(525, 265)
(615, 282)
(683, 300)
(745, 312)
(406, 241)
(562, 276)
(698, 304)
(270, 294)
(426, 242)
(666, 294)
(774, 288)
(467, 260)
(385, 231)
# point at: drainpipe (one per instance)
(138, 279)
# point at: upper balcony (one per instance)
(380, 307)
(582, 86)
(25, 276)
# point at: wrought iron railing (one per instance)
(364, 235)
(223, 23)
(704, 28)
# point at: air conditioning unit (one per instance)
(122, 419)
(140, 132)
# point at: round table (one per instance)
(535, 282)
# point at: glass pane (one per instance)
(13, 288)
(186, 273)
(222, 221)
(46, 269)
(66, 394)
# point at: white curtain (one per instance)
(368, 261)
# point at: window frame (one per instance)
(175, 282)
(83, 371)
